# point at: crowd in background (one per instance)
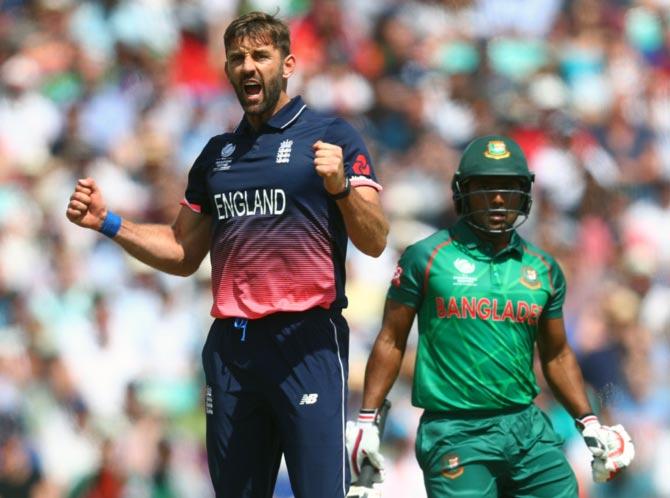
(100, 383)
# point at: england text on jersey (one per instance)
(250, 203)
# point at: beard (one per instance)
(271, 90)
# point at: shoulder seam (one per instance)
(329, 122)
(433, 254)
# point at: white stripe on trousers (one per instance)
(344, 452)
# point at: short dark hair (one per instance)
(259, 26)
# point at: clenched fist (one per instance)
(329, 165)
(86, 207)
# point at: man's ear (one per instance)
(288, 66)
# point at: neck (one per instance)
(499, 241)
(258, 120)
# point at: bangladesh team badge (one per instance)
(530, 278)
(496, 149)
(452, 467)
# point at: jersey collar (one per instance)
(288, 114)
(284, 118)
(465, 235)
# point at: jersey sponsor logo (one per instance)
(452, 467)
(361, 165)
(395, 281)
(257, 202)
(309, 399)
(496, 149)
(483, 308)
(223, 163)
(530, 278)
(284, 152)
(465, 267)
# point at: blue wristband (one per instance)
(111, 224)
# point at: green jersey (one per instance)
(478, 314)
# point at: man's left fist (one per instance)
(329, 165)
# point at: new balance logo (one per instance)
(309, 399)
(284, 152)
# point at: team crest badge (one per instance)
(284, 152)
(530, 278)
(496, 149)
(452, 467)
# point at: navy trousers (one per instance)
(277, 385)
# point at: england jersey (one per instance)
(278, 240)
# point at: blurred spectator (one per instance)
(19, 473)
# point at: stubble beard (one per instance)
(271, 92)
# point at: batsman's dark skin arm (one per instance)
(560, 367)
(387, 353)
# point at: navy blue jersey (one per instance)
(278, 240)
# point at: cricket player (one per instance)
(484, 298)
(274, 203)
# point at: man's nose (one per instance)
(497, 198)
(248, 64)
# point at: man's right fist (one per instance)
(86, 207)
(363, 442)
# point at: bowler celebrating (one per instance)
(274, 203)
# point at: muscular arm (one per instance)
(361, 209)
(560, 367)
(366, 225)
(387, 353)
(178, 249)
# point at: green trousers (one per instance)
(507, 454)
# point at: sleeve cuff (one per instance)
(196, 208)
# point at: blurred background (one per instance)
(100, 377)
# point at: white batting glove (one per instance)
(612, 447)
(594, 434)
(363, 443)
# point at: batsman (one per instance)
(484, 297)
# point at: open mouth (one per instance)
(252, 88)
